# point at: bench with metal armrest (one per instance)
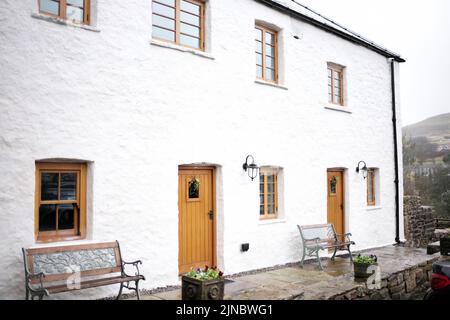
(322, 237)
(51, 270)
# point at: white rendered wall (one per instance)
(136, 111)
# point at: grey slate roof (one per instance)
(298, 11)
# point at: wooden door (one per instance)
(196, 218)
(335, 185)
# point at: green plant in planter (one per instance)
(205, 274)
(361, 264)
(203, 284)
(369, 260)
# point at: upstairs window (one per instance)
(371, 192)
(268, 194)
(266, 54)
(60, 212)
(179, 21)
(76, 11)
(335, 84)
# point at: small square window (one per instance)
(194, 188)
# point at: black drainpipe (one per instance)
(396, 181)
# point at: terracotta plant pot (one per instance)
(193, 289)
(360, 270)
(444, 245)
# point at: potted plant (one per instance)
(203, 284)
(444, 244)
(361, 263)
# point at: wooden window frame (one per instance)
(371, 176)
(266, 215)
(265, 30)
(340, 71)
(177, 20)
(79, 231)
(63, 11)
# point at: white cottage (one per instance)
(131, 121)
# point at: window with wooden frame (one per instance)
(266, 50)
(371, 192)
(335, 84)
(77, 11)
(60, 201)
(268, 195)
(179, 21)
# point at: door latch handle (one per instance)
(211, 214)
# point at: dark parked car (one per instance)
(440, 282)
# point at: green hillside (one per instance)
(426, 162)
(438, 126)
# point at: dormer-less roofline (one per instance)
(332, 28)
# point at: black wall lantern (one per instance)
(363, 169)
(252, 168)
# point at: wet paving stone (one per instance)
(336, 281)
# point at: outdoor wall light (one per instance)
(363, 169)
(252, 168)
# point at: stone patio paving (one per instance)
(337, 281)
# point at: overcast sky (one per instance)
(419, 31)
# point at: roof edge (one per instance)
(283, 8)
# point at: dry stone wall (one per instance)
(403, 285)
(420, 222)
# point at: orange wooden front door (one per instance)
(335, 185)
(196, 218)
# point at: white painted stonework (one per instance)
(135, 109)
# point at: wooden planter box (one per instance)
(444, 244)
(360, 270)
(193, 289)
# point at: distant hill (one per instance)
(432, 128)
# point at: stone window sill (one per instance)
(177, 47)
(63, 22)
(373, 208)
(270, 84)
(271, 221)
(338, 108)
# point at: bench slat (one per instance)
(93, 283)
(89, 273)
(328, 245)
(314, 226)
(76, 247)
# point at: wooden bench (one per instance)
(322, 237)
(51, 270)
